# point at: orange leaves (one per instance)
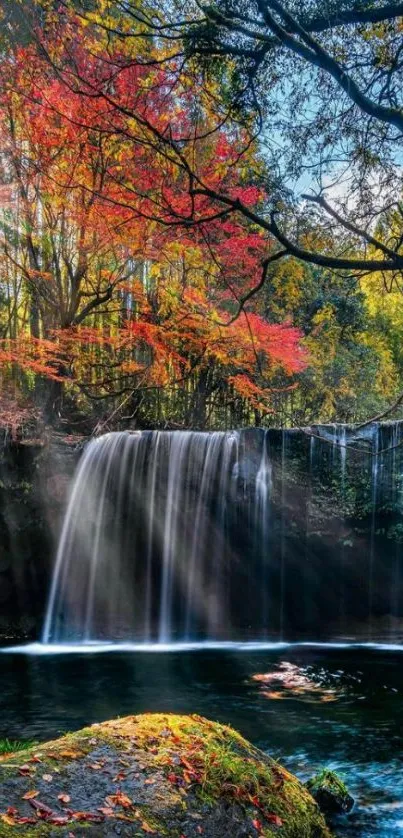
(119, 799)
(136, 278)
(70, 754)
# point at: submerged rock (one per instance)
(330, 793)
(161, 775)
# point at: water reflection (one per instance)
(357, 732)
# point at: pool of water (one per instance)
(308, 706)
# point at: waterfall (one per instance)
(146, 547)
(254, 534)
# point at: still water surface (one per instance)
(309, 707)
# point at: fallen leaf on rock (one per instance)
(35, 758)
(93, 817)
(25, 770)
(8, 820)
(58, 820)
(120, 799)
(64, 798)
(272, 818)
(106, 810)
(12, 811)
(47, 777)
(121, 776)
(110, 801)
(30, 795)
(41, 808)
(257, 824)
(71, 754)
(96, 766)
(147, 828)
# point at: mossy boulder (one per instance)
(330, 793)
(161, 775)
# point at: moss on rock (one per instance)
(331, 794)
(161, 775)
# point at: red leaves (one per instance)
(119, 207)
(272, 818)
(90, 817)
(58, 820)
(190, 774)
(47, 814)
(43, 810)
(25, 770)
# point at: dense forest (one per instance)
(200, 209)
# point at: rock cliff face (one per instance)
(330, 547)
(34, 478)
(161, 775)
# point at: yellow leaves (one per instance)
(8, 819)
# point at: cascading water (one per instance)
(145, 551)
(262, 535)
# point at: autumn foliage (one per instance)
(122, 280)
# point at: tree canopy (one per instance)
(201, 209)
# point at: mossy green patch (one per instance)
(12, 746)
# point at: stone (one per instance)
(330, 793)
(197, 778)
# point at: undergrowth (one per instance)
(12, 746)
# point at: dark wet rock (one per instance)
(158, 775)
(35, 474)
(330, 793)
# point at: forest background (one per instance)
(200, 213)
